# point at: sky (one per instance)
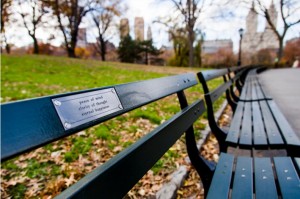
(214, 28)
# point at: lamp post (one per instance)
(241, 32)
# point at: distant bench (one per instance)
(32, 123)
(257, 121)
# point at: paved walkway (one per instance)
(284, 86)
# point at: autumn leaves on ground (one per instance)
(45, 172)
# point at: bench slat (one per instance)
(220, 184)
(244, 92)
(243, 179)
(289, 135)
(235, 125)
(131, 164)
(272, 130)
(249, 90)
(214, 95)
(297, 160)
(36, 122)
(265, 186)
(260, 94)
(211, 74)
(288, 178)
(246, 131)
(259, 135)
(254, 91)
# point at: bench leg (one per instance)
(204, 168)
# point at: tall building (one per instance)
(254, 41)
(213, 46)
(139, 28)
(149, 33)
(124, 27)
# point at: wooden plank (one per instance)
(287, 177)
(249, 90)
(254, 91)
(272, 130)
(235, 125)
(288, 133)
(246, 131)
(211, 74)
(297, 160)
(218, 92)
(244, 92)
(220, 184)
(260, 94)
(259, 135)
(243, 179)
(265, 187)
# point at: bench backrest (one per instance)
(211, 96)
(32, 123)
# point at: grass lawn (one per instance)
(49, 170)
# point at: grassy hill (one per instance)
(49, 170)
(33, 76)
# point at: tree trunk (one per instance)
(103, 48)
(280, 50)
(7, 46)
(191, 47)
(35, 45)
(200, 56)
(146, 57)
(71, 52)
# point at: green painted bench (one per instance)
(32, 123)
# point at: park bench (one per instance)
(33, 123)
(257, 122)
(252, 90)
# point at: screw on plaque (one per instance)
(120, 106)
(112, 90)
(56, 102)
(67, 125)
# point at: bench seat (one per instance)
(247, 177)
(261, 124)
(257, 121)
(252, 89)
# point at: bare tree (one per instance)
(69, 14)
(190, 10)
(288, 13)
(5, 13)
(32, 18)
(103, 17)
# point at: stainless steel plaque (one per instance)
(78, 109)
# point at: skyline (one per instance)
(214, 28)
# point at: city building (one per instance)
(139, 28)
(124, 27)
(254, 41)
(149, 33)
(213, 46)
